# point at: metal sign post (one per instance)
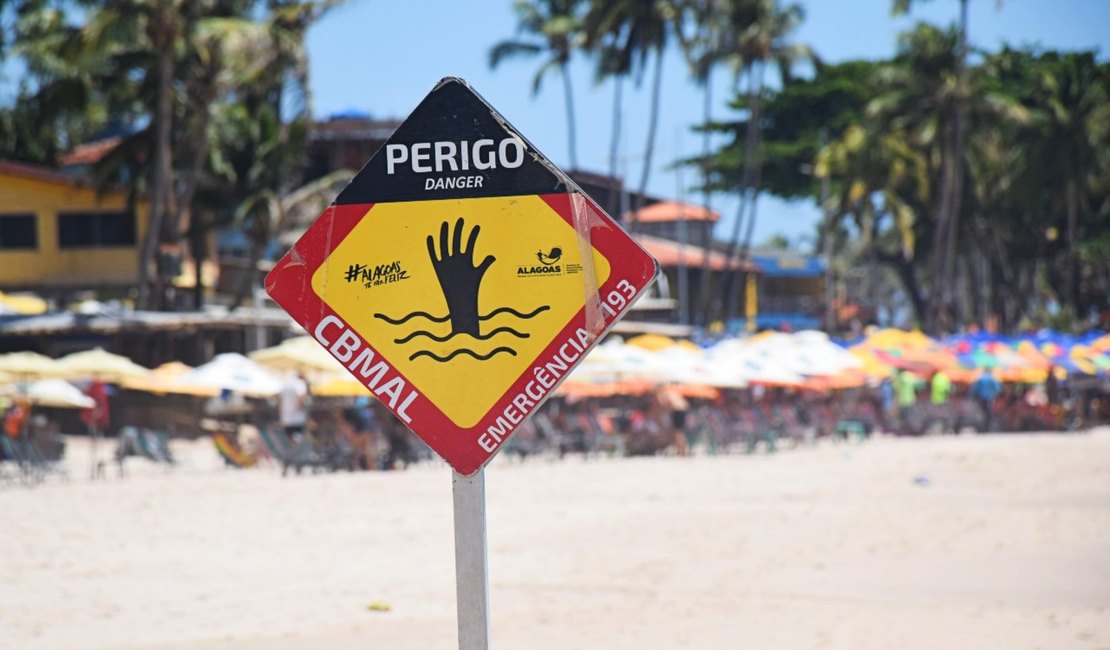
(471, 574)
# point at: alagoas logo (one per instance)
(548, 266)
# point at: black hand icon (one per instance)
(458, 277)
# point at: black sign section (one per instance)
(454, 145)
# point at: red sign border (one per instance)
(289, 283)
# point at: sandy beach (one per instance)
(998, 541)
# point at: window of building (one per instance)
(18, 232)
(95, 229)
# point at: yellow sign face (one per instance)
(468, 293)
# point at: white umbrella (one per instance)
(56, 393)
(685, 366)
(235, 373)
(614, 361)
(752, 364)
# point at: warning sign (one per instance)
(460, 276)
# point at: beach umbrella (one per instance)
(339, 386)
(895, 339)
(25, 366)
(235, 373)
(581, 389)
(750, 364)
(166, 379)
(651, 342)
(55, 393)
(1101, 344)
(870, 364)
(682, 366)
(695, 391)
(100, 364)
(301, 353)
(22, 304)
(616, 361)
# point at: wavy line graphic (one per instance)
(406, 318)
(443, 319)
(455, 353)
(443, 339)
(510, 310)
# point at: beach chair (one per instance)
(31, 468)
(759, 427)
(294, 454)
(546, 433)
(524, 443)
(790, 424)
(141, 443)
(231, 453)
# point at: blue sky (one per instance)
(383, 57)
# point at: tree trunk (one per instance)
(572, 138)
(931, 322)
(905, 270)
(653, 123)
(942, 294)
(751, 165)
(704, 287)
(956, 201)
(151, 280)
(1071, 201)
(615, 189)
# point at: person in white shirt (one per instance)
(293, 406)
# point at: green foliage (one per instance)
(1036, 190)
(198, 89)
(798, 119)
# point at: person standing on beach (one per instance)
(293, 406)
(359, 429)
(905, 389)
(986, 389)
(940, 389)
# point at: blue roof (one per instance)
(789, 266)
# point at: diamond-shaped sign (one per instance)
(460, 276)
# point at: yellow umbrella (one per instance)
(688, 345)
(23, 304)
(1101, 344)
(166, 380)
(651, 342)
(102, 365)
(301, 353)
(339, 386)
(872, 366)
(29, 365)
(894, 339)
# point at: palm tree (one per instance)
(558, 26)
(952, 181)
(760, 42)
(881, 178)
(703, 50)
(1074, 106)
(918, 93)
(165, 65)
(629, 33)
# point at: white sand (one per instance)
(833, 546)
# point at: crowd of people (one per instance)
(301, 430)
(363, 435)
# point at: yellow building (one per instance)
(58, 234)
